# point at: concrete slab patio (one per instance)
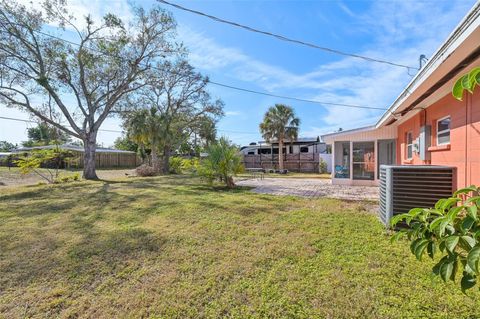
(310, 188)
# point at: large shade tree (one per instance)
(280, 124)
(75, 85)
(185, 107)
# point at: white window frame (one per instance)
(443, 131)
(408, 145)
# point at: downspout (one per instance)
(466, 138)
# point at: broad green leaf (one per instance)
(446, 270)
(473, 78)
(413, 245)
(466, 190)
(441, 246)
(453, 212)
(472, 199)
(439, 203)
(467, 223)
(441, 228)
(451, 242)
(449, 202)
(450, 230)
(397, 218)
(420, 248)
(472, 211)
(467, 282)
(469, 241)
(472, 258)
(436, 223)
(466, 83)
(431, 249)
(457, 90)
(397, 236)
(436, 268)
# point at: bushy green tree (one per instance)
(144, 127)
(45, 134)
(185, 108)
(6, 146)
(451, 229)
(45, 163)
(75, 87)
(125, 144)
(223, 162)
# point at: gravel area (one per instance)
(310, 188)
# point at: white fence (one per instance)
(328, 159)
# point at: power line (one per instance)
(236, 87)
(297, 98)
(287, 39)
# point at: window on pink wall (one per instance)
(443, 131)
(409, 145)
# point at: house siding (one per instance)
(463, 151)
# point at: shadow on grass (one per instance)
(101, 230)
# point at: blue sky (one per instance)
(398, 31)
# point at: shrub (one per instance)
(451, 229)
(68, 178)
(223, 162)
(49, 159)
(322, 166)
(145, 170)
(191, 166)
(176, 165)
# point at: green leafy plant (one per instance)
(68, 178)
(191, 166)
(223, 163)
(175, 166)
(467, 82)
(45, 163)
(452, 230)
(322, 166)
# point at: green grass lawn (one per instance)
(170, 247)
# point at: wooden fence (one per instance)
(301, 162)
(108, 160)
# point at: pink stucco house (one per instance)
(425, 125)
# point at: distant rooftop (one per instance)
(298, 140)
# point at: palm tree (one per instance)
(144, 127)
(280, 123)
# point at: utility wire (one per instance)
(235, 87)
(287, 39)
(297, 98)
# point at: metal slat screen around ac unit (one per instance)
(405, 187)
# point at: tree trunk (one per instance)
(166, 160)
(229, 181)
(280, 154)
(155, 160)
(90, 146)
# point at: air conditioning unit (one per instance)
(403, 187)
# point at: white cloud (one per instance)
(79, 9)
(400, 32)
(233, 113)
